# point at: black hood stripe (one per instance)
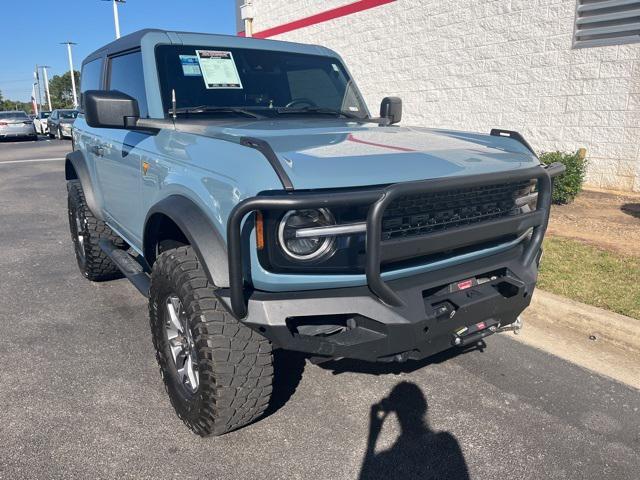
(263, 147)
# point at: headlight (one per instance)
(308, 247)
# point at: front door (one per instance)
(119, 164)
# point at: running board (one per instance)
(128, 266)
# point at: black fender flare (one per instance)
(76, 161)
(202, 234)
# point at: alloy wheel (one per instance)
(181, 344)
(80, 236)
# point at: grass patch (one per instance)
(591, 275)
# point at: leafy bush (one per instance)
(567, 186)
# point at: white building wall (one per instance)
(478, 64)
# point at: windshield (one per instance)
(255, 80)
(68, 113)
(45, 114)
(14, 115)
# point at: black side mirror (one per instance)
(110, 109)
(391, 109)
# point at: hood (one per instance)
(333, 154)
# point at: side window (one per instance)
(90, 78)
(126, 76)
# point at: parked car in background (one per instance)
(60, 122)
(40, 122)
(17, 124)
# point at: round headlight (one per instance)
(305, 248)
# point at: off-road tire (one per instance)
(94, 264)
(235, 363)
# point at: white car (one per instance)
(40, 122)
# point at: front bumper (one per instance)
(353, 323)
(398, 319)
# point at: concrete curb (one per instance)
(618, 329)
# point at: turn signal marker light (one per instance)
(259, 230)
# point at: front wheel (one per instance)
(218, 372)
(86, 233)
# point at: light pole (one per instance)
(46, 84)
(36, 74)
(116, 18)
(73, 76)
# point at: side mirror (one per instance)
(110, 109)
(391, 109)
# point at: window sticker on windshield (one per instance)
(190, 66)
(218, 69)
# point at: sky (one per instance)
(31, 31)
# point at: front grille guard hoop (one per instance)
(379, 200)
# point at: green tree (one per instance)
(60, 90)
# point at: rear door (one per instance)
(119, 168)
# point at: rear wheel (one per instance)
(86, 233)
(218, 373)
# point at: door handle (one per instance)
(98, 150)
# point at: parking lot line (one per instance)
(31, 160)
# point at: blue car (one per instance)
(245, 188)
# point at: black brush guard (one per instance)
(378, 200)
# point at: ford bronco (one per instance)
(243, 186)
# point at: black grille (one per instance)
(425, 213)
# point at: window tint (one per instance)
(12, 115)
(91, 77)
(268, 79)
(315, 85)
(126, 76)
(68, 114)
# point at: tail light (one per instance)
(3, 124)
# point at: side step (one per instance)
(128, 266)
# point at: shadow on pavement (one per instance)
(386, 368)
(632, 209)
(419, 452)
(288, 368)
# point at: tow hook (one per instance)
(515, 327)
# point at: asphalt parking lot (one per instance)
(81, 395)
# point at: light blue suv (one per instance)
(243, 186)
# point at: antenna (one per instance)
(173, 103)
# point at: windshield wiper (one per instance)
(209, 109)
(324, 111)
